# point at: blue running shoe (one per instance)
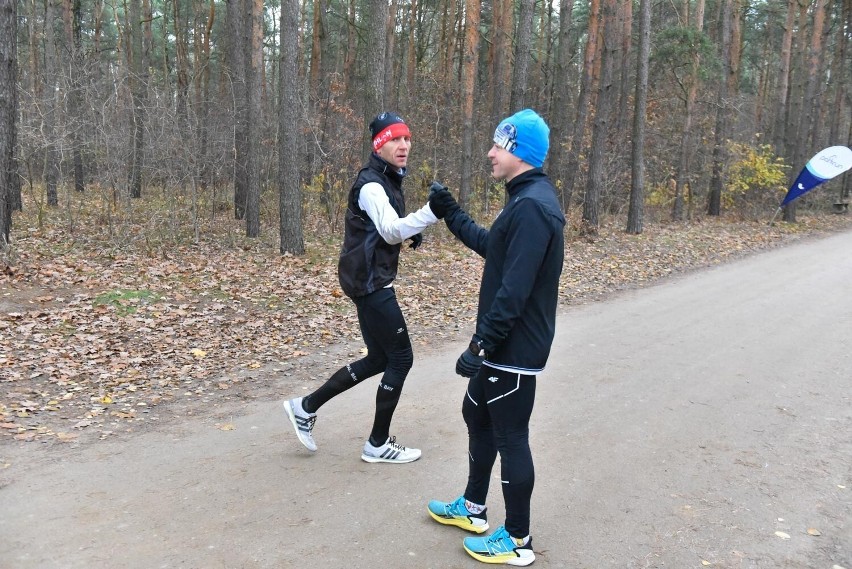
(500, 547)
(457, 514)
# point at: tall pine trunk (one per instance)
(51, 140)
(603, 110)
(635, 213)
(253, 27)
(684, 149)
(137, 74)
(71, 18)
(520, 70)
(374, 90)
(727, 89)
(8, 114)
(289, 187)
(559, 117)
(237, 69)
(470, 64)
(782, 89)
(578, 134)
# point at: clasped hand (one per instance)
(416, 240)
(441, 201)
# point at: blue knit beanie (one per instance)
(526, 135)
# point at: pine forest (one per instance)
(663, 110)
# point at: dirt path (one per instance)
(702, 422)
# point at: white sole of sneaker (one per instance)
(292, 417)
(527, 559)
(374, 459)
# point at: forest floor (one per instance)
(103, 337)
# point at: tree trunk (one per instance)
(351, 44)
(579, 132)
(317, 38)
(135, 73)
(541, 77)
(254, 57)
(34, 51)
(626, 19)
(499, 48)
(761, 101)
(522, 56)
(8, 115)
(182, 71)
(603, 110)
(391, 97)
(797, 86)
(799, 105)
(237, 68)
(289, 187)
(559, 121)
(51, 140)
(635, 213)
(839, 70)
(202, 63)
(71, 17)
(470, 65)
(411, 59)
(727, 88)
(374, 90)
(685, 151)
(783, 88)
(808, 122)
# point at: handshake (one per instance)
(441, 201)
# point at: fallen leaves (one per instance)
(92, 342)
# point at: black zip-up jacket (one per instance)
(368, 262)
(524, 252)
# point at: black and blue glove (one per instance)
(471, 359)
(416, 240)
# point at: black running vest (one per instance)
(368, 262)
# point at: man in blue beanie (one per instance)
(523, 251)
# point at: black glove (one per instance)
(471, 360)
(416, 240)
(441, 201)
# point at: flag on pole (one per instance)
(827, 164)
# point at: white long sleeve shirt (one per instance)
(392, 228)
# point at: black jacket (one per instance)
(524, 252)
(368, 262)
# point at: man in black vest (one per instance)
(376, 226)
(524, 251)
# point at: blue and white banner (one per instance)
(827, 164)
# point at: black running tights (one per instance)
(388, 350)
(497, 409)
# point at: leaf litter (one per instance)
(95, 342)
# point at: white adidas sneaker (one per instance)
(391, 451)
